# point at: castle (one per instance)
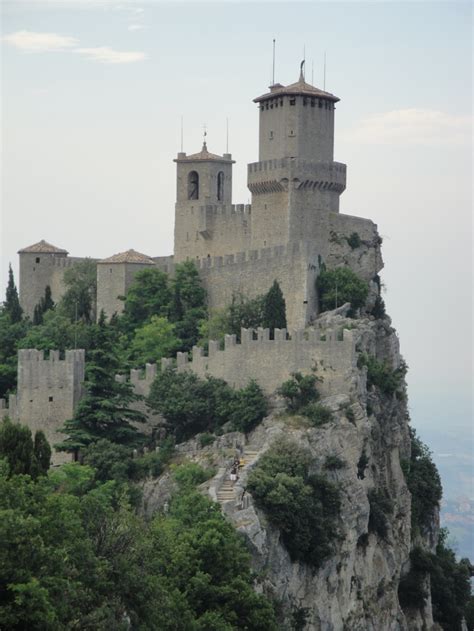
(291, 229)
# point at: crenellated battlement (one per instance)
(226, 209)
(275, 252)
(295, 164)
(70, 261)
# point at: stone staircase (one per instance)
(226, 492)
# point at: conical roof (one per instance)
(43, 247)
(130, 256)
(299, 88)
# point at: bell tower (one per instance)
(203, 179)
(296, 183)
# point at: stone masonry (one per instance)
(292, 225)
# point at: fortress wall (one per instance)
(271, 362)
(48, 392)
(252, 273)
(164, 263)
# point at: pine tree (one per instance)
(12, 302)
(104, 411)
(274, 308)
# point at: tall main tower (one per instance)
(296, 183)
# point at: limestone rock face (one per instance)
(357, 588)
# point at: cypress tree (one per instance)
(12, 302)
(45, 304)
(42, 453)
(274, 308)
(105, 410)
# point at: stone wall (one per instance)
(330, 354)
(47, 394)
(252, 273)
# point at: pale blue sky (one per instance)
(92, 96)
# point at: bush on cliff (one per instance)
(424, 483)
(341, 285)
(379, 374)
(302, 505)
(192, 405)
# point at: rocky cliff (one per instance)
(357, 588)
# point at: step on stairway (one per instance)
(226, 492)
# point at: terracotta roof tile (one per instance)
(43, 247)
(298, 88)
(130, 256)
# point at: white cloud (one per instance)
(29, 41)
(135, 27)
(413, 127)
(106, 55)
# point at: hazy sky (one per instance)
(92, 97)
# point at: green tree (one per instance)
(299, 391)
(341, 285)
(188, 304)
(274, 308)
(245, 313)
(12, 303)
(149, 295)
(79, 300)
(303, 506)
(45, 304)
(153, 341)
(189, 404)
(57, 332)
(10, 335)
(249, 407)
(23, 454)
(106, 410)
(424, 484)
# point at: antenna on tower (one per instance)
(227, 135)
(182, 134)
(204, 146)
(324, 80)
(273, 67)
(304, 60)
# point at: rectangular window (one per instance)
(50, 399)
(292, 101)
(37, 259)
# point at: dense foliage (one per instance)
(381, 510)
(301, 397)
(106, 410)
(75, 555)
(192, 405)
(424, 483)
(23, 453)
(79, 300)
(341, 285)
(45, 304)
(302, 505)
(450, 584)
(274, 308)
(379, 374)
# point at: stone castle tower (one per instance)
(291, 227)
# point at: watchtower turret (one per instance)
(296, 182)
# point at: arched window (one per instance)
(220, 186)
(193, 185)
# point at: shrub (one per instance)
(381, 508)
(24, 454)
(303, 506)
(191, 474)
(378, 310)
(206, 439)
(333, 463)
(354, 240)
(317, 414)
(381, 375)
(424, 484)
(299, 391)
(249, 407)
(192, 405)
(341, 285)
